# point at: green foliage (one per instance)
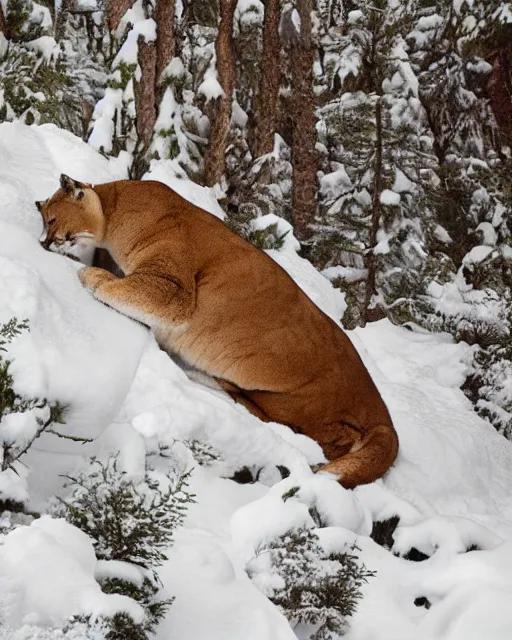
(121, 75)
(203, 453)
(148, 595)
(264, 239)
(290, 493)
(132, 522)
(17, 16)
(318, 589)
(267, 238)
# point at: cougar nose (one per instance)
(45, 242)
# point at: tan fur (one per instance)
(229, 310)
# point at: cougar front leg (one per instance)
(152, 299)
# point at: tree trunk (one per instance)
(115, 11)
(145, 105)
(214, 161)
(270, 79)
(499, 88)
(164, 18)
(60, 20)
(304, 155)
(3, 23)
(367, 315)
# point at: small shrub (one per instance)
(308, 585)
(130, 522)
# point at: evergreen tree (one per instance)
(373, 218)
(309, 586)
(49, 74)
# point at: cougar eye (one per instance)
(51, 221)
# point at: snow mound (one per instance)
(48, 571)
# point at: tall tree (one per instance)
(267, 107)
(145, 103)
(214, 160)
(499, 88)
(304, 155)
(165, 43)
(115, 10)
(3, 23)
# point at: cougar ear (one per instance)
(68, 184)
(39, 205)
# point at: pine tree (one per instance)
(214, 162)
(267, 105)
(309, 586)
(51, 80)
(373, 215)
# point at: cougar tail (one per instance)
(368, 459)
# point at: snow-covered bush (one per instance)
(131, 523)
(22, 420)
(308, 585)
(203, 453)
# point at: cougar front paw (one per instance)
(92, 277)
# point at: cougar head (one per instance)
(72, 215)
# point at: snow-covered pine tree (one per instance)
(133, 523)
(309, 586)
(49, 73)
(373, 217)
(468, 289)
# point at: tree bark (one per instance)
(115, 11)
(165, 45)
(270, 79)
(214, 161)
(499, 88)
(145, 104)
(367, 315)
(3, 23)
(304, 155)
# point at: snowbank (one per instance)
(48, 571)
(76, 351)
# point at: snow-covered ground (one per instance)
(451, 485)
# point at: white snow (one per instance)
(48, 569)
(210, 86)
(46, 46)
(442, 235)
(129, 51)
(402, 183)
(477, 254)
(389, 198)
(174, 69)
(489, 236)
(354, 16)
(349, 274)
(450, 485)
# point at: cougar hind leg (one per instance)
(240, 397)
(367, 459)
